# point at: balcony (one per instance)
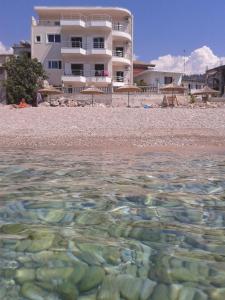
(78, 77)
(71, 21)
(99, 77)
(103, 21)
(74, 76)
(99, 48)
(119, 81)
(73, 47)
(121, 58)
(45, 22)
(121, 30)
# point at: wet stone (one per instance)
(130, 287)
(109, 289)
(23, 275)
(92, 278)
(161, 291)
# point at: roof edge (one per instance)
(60, 8)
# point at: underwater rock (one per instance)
(147, 289)
(130, 287)
(13, 228)
(68, 291)
(175, 291)
(161, 291)
(92, 278)
(40, 241)
(90, 258)
(109, 289)
(92, 218)
(33, 292)
(217, 294)
(23, 275)
(53, 216)
(46, 274)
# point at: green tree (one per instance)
(24, 76)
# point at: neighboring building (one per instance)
(156, 79)
(140, 66)
(24, 47)
(80, 46)
(194, 82)
(3, 76)
(215, 79)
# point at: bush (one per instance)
(23, 78)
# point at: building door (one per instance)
(98, 42)
(120, 76)
(120, 51)
(76, 42)
(99, 69)
(77, 69)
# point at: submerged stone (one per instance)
(46, 274)
(217, 294)
(33, 292)
(68, 291)
(92, 278)
(161, 291)
(53, 216)
(109, 289)
(147, 289)
(130, 287)
(23, 275)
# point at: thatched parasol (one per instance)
(92, 91)
(50, 91)
(205, 91)
(128, 89)
(173, 88)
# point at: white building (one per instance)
(81, 46)
(157, 79)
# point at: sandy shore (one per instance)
(114, 129)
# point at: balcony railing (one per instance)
(74, 44)
(123, 27)
(122, 54)
(119, 78)
(43, 22)
(92, 73)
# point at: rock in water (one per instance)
(147, 289)
(109, 289)
(32, 292)
(93, 277)
(23, 275)
(161, 292)
(130, 287)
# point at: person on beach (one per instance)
(22, 104)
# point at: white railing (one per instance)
(123, 54)
(85, 45)
(74, 44)
(123, 27)
(100, 18)
(73, 17)
(45, 22)
(92, 73)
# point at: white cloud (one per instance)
(4, 49)
(196, 63)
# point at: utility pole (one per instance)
(184, 61)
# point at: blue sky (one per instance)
(161, 26)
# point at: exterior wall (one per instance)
(45, 52)
(157, 78)
(3, 77)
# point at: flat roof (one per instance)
(61, 9)
(157, 71)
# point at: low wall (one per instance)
(115, 99)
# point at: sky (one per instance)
(166, 32)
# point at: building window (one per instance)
(38, 39)
(120, 76)
(1, 71)
(77, 69)
(54, 38)
(55, 64)
(70, 90)
(168, 80)
(120, 51)
(99, 70)
(98, 42)
(76, 42)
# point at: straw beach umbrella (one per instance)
(49, 91)
(174, 89)
(92, 91)
(128, 89)
(205, 92)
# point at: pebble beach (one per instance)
(113, 129)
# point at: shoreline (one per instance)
(116, 130)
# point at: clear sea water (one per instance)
(110, 227)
